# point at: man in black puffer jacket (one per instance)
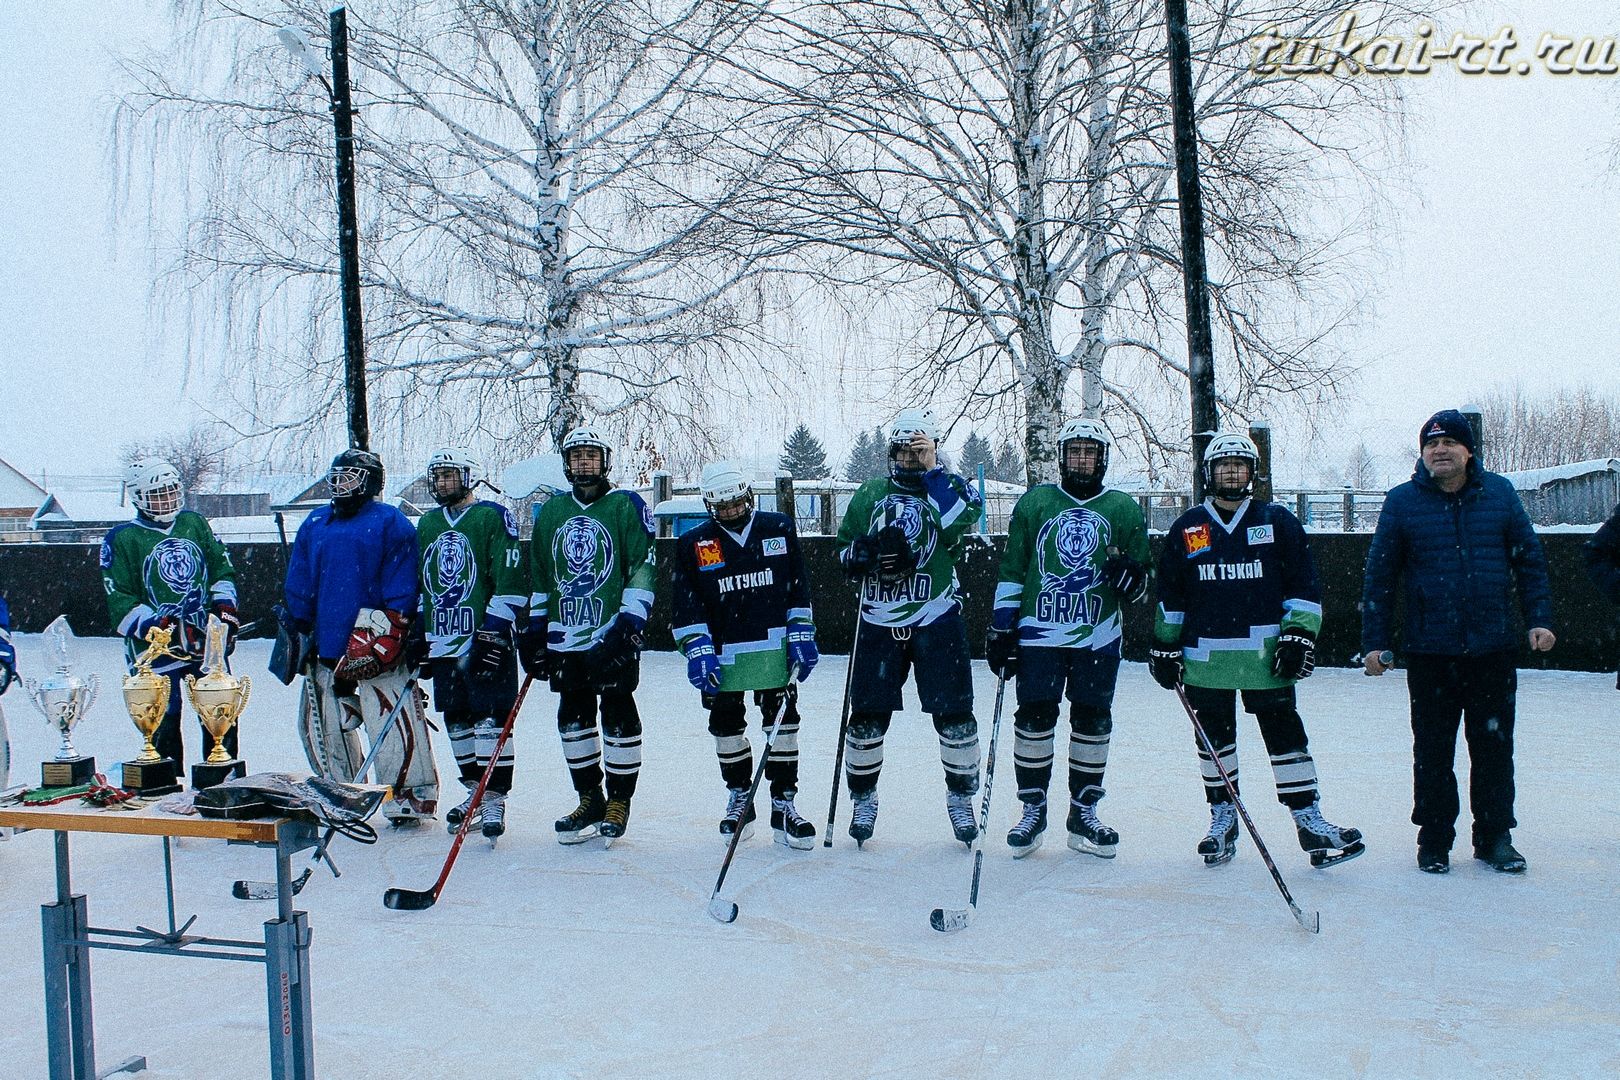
(1603, 562)
(1461, 539)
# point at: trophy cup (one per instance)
(219, 698)
(146, 696)
(63, 698)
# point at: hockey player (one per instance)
(900, 539)
(742, 617)
(591, 571)
(1076, 553)
(351, 584)
(166, 568)
(8, 653)
(471, 582)
(1239, 610)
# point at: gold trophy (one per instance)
(146, 696)
(219, 698)
(63, 698)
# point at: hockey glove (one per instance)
(1165, 665)
(896, 557)
(1127, 577)
(8, 673)
(417, 650)
(801, 650)
(375, 645)
(225, 611)
(1295, 658)
(620, 646)
(860, 558)
(533, 650)
(491, 649)
(702, 665)
(1001, 651)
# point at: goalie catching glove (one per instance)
(375, 645)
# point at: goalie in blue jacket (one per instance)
(742, 617)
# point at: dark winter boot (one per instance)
(739, 815)
(1499, 854)
(1025, 836)
(1220, 844)
(790, 828)
(1433, 860)
(583, 821)
(1088, 835)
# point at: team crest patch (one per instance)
(775, 545)
(708, 555)
(1260, 534)
(1196, 539)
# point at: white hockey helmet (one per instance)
(1230, 445)
(586, 435)
(727, 495)
(914, 422)
(154, 488)
(468, 469)
(1083, 427)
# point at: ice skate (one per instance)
(457, 814)
(864, 817)
(1221, 843)
(408, 813)
(739, 816)
(583, 822)
(614, 820)
(494, 817)
(1324, 842)
(1090, 836)
(960, 808)
(789, 827)
(1026, 836)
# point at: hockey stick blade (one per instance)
(410, 899)
(948, 922)
(723, 910)
(266, 890)
(1311, 922)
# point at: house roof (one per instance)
(1533, 479)
(16, 490)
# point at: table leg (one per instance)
(69, 1020)
(292, 1031)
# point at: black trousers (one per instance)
(1476, 692)
(167, 738)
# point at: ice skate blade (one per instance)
(722, 910)
(797, 843)
(1029, 848)
(747, 831)
(589, 832)
(1323, 859)
(1221, 858)
(1087, 847)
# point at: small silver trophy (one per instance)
(63, 698)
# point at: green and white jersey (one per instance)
(589, 562)
(150, 571)
(935, 519)
(1051, 579)
(471, 573)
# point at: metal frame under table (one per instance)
(67, 936)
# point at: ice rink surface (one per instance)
(545, 961)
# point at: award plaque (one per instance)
(219, 698)
(146, 696)
(63, 698)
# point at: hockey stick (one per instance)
(957, 918)
(1313, 922)
(843, 727)
(244, 889)
(414, 900)
(724, 910)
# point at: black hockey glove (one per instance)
(533, 652)
(861, 558)
(416, 651)
(1165, 665)
(620, 646)
(1127, 577)
(1001, 652)
(896, 557)
(1295, 658)
(491, 647)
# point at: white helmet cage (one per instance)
(468, 467)
(1084, 427)
(586, 436)
(722, 484)
(1230, 445)
(154, 488)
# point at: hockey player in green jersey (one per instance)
(1075, 554)
(166, 568)
(591, 576)
(900, 538)
(471, 594)
(1239, 610)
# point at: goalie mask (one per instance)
(727, 495)
(453, 472)
(355, 479)
(1226, 447)
(154, 488)
(1083, 457)
(904, 468)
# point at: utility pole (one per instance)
(354, 338)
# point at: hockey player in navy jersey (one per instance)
(742, 617)
(1239, 610)
(900, 538)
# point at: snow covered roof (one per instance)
(1532, 479)
(16, 490)
(523, 478)
(68, 508)
(680, 505)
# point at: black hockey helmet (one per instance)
(356, 478)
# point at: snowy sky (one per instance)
(1501, 262)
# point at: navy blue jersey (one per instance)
(342, 564)
(741, 592)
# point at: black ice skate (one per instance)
(789, 826)
(408, 813)
(584, 820)
(960, 808)
(457, 814)
(615, 819)
(1324, 842)
(494, 819)
(1090, 836)
(864, 818)
(739, 814)
(1025, 836)
(1221, 844)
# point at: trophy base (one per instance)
(69, 773)
(151, 777)
(207, 776)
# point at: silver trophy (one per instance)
(63, 698)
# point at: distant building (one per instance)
(1580, 493)
(20, 499)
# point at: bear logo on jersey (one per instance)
(175, 567)
(907, 513)
(449, 571)
(582, 550)
(1064, 550)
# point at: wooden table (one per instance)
(67, 936)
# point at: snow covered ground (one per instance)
(543, 961)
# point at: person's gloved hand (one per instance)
(372, 651)
(1166, 665)
(534, 652)
(896, 557)
(702, 665)
(1127, 577)
(861, 556)
(225, 611)
(621, 644)
(1001, 652)
(491, 647)
(1295, 658)
(801, 650)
